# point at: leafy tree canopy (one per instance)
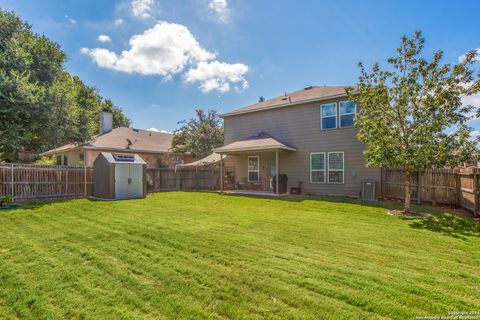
(411, 116)
(199, 135)
(41, 105)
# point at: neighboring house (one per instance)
(309, 135)
(152, 146)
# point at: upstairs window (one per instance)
(59, 161)
(329, 116)
(253, 169)
(317, 167)
(336, 167)
(347, 111)
(65, 160)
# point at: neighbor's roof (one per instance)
(210, 159)
(308, 94)
(127, 139)
(258, 142)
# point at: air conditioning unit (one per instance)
(368, 190)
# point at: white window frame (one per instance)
(336, 115)
(324, 167)
(257, 171)
(340, 114)
(336, 170)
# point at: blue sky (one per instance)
(223, 54)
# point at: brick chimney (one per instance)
(106, 122)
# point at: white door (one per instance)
(122, 178)
(136, 179)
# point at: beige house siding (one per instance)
(299, 127)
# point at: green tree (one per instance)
(199, 135)
(412, 116)
(41, 105)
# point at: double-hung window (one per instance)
(347, 110)
(336, 167)
(329, 115)
(317, 167)
(253, 169)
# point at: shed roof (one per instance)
(259, 142)
(127, 139)
(113, 158)
(307, 94)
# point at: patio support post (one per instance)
(276, 171)
(221, 173)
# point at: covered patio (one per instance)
(258, 158)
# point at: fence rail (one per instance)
(28, 181)
(454, 187)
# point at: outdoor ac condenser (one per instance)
(368, 190)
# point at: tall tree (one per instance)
(411, 116)
(199, 135)
(41, 105)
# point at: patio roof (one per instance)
(259, 142)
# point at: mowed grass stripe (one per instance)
(204, 255)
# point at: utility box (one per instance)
(368, 190)
(282, 184)
(119, 176)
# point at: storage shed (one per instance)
(119, 176)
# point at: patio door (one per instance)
(271, 172)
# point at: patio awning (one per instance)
(259, 142)
(210, 159)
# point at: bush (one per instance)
(5, 200)
(46, 161)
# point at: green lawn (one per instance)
(203, 255)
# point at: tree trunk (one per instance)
(408, 189)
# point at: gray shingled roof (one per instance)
(118, 139)
(304, 95)
(261, 141)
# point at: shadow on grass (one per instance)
(447, 224)
(446, 221)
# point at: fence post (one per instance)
(13, 184)
(419, 190)
(85, 180)
(475, 193)
(458, 189)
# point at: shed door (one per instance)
(122, 175)
(136, 185)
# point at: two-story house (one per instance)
(308, 135)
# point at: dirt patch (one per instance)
(409, 214)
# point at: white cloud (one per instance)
(104, 38)
(220, 10)
(477, 57)
(168, 49)
(156, 130)
(118, 22)
(162, 50)
(217, 75)
(70, 19)
(142, 9)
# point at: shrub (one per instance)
(5, 200)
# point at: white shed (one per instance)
(119, 176)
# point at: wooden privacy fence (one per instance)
(454, 187)
(184, 178)
(29, 181)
